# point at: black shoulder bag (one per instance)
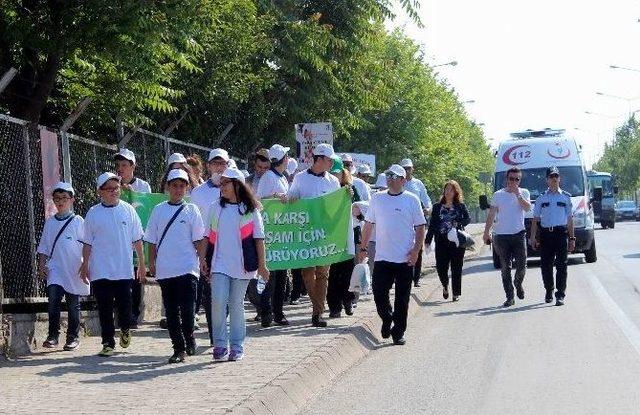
(166, 228)
(55, 241)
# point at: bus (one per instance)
(603, 210)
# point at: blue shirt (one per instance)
(416, 187)
(553, 208)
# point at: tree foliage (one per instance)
(622, 157)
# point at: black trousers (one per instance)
(385, 274)
(110, 293)
(297, 285)
(417, 269)
(179, 298)
(510, 248)
(553, 251)
(56, 292)
(272, 298)
(449, 256)
(338, 294)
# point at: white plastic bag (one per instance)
(360, 278)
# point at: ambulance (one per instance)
(533, 151)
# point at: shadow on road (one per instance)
(488, 311)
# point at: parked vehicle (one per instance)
(533, 152)
(604, 209)
(627, 210)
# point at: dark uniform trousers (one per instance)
(553, 251)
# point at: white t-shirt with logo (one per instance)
(64, 264)
(270, 184)
(228, 257)
(203, 196)
(395, 218)
(510, 217)
(308, 185)
(176, 255)
(110, 230)
(140, 186)
(363, 188)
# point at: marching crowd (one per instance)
(209, 251)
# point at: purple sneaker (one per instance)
(236, 355)
(220, 353)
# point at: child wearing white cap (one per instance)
(125, 162)
(59, 260)
(112, 231)
(175, 233)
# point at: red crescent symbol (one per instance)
(506, 157)
(560, 157)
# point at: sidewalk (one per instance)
(283, 367)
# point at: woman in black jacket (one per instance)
(449, 213)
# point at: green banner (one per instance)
(306, 233)
(309, 232)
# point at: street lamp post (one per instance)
(628, 100)
(452, 63)
(624, 68)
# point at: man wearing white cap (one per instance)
(125, 162)
(415, 186)
(362, 187)
(176, 254)
(274, 184)
(111, 229)
(400, 230)
(308, 184)
(59, 260)
(203, 196)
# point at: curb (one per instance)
(291, 391)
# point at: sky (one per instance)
(536, 64)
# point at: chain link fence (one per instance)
(22, 198)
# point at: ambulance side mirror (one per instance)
(597, 194)
(484, 202)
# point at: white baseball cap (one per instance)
(292, 166)
(126, 154)
(231, 173)
(406, 163)
(177, 174)
(176, 158)
(218, 152)
(324, 149)
(346, 157)
(277, 152)
(246, 173)
(64, 187)
(364, 169)
(105, 177)
(381, 181)
(397, 170)
(232, 163)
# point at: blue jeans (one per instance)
(228, 292)
(56, 292)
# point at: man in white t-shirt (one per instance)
(415, 186)
(112, 231)
(176, 254)
(308, 184)
(508, 206)
(203, 196)
(274, 185)
(399, 224)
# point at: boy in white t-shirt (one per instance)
(59, 260)
(175, 235)
(111, 229)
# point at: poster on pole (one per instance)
(360, 159)
(308, 136)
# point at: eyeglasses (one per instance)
(111, 189)
(514, 179)
(61, 199)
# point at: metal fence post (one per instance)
(66, 158)
(30, 204)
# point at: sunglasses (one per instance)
(514, 179)
(391, 176)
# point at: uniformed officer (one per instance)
(553, 213)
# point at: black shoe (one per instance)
(281, 321)
(71, 344)
(191, 350)
(445, 293)
(177, 357)
(50, 343)
(317, 321)
(520, 292)
(163, 323)
(385, 331)
(548, 297)
(348, 309)
(455, 298)
(508, 303)
(559, 301)
(416, 284)
(266, 322)
(335, 314)
(257, 318)
(399, 342)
